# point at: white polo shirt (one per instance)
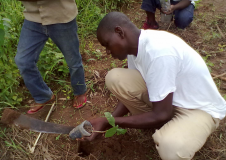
(168, 64)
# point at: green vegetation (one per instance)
(197, 3)
(10, 142)
(114, 129)
(51, 63)
(10, 26)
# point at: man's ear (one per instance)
(120, 32)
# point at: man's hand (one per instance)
(162, 112)
(170, 11)
(181, 5)
(99, 124)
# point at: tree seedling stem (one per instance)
(99, 131)
(115, 129)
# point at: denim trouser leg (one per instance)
(31, 42)
(32, 39)
(150, 5)
(66, 38)
(184, 16)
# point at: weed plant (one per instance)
(11, 18)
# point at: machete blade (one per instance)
(10, 116)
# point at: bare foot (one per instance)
(79, 101)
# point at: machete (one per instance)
(10, 117)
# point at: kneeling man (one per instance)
(167, 86)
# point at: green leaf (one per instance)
(2, 36)
(7, 24)
(58, 137)
(111, 132)
(110, 118)
(14, 97)
(91, 59)
(1, 25)
(6, 19)
(121, 131)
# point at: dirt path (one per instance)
(204, 34)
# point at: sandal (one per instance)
(80, 105)
(33, 111)
(146, 25)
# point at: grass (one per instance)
(9, 74)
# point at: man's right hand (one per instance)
(170, 11)
(98, 124)
(101, 124)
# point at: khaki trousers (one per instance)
(178, 139)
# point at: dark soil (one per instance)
(9, 115)
(88, 128)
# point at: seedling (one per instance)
(58, 137)
(115, 128)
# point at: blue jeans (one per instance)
(182, 17)
(32, 40)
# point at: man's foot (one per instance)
(38, 106)
(80, 101)
(148, 25)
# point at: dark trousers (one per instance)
(32, 40)
(182, 17)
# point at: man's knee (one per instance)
(182, 21)
(23, 64)
(172, 148)
(112, 78)
(19, 61)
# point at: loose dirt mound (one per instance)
(121, 147)
(9, 115)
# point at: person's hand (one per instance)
(170, 11)
(99, 124)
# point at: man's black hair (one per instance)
(113, 19)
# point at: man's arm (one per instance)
(181, 5)
(120, 110)
(162, 112)
(100, 124)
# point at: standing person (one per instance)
(167, 86)
(55, 19)
(183, 11)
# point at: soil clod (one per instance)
(9, 115)
(88, 128)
